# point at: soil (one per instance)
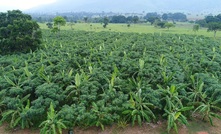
(194, 127)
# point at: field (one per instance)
(181, 28)
(118, 76)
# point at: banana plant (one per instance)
(174, 116)
(167, 77)
(173, 108)
(208, 105)
(74, 90)
(100, 115)
(139, 110)
(15, 83)
(196, 92)
(18, 116)
(53, 125)
(171, 97)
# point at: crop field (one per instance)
(104, 78)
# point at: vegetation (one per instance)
(213, 23)
(102, 78)
(196, 27)
(58, 22)
(214, 26)
(18, 33)
(169, 25)
(105, 21)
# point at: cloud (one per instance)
(22, 4)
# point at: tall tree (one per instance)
(135, 19)
(58, 22)
(152, 20)
(105, 21)
(214, 26)
(165, 16)
(118, 19)
(85, 19)
(18, 32)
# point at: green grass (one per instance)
(181, 28)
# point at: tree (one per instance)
(160, 24)
(105, 21)
(209, 19)
(18, 32)
(214, 26)
(202, 23)
(50, 25)
(179, 17)
(118, 19)
(58, 22)
(169, 25)
(85, 19)
(196, 27)
(129, 19)
(164, 16)
(151, 15)
(135, 19)
(152, 20)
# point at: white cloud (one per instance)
(22, 4)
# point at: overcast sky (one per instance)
(112, 5)
(22, 4)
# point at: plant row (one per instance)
(97, 79)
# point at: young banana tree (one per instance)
(53, 124)
(174, 108)
(18, 116)
(207, 106)
(139, 110)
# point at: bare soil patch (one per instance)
(195, 127)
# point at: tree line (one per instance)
(213, 23)
(114, 18)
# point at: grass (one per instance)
(181, 28)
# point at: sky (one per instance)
(22, 4)
(112, 5)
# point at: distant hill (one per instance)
(209, 6)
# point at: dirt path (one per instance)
(194, 127)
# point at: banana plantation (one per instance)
(103, 78)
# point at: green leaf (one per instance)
(215, 115)
(173, 89)
(15, 123)
(134, 119)
(139, 120)
(9, 81)
(177, 115)
(145, 116)
(134, 112)
(211, 120)
(141, 63)
(175, 127)
(183, 109)
(127, 112)
(70, 73)
(77, 80)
